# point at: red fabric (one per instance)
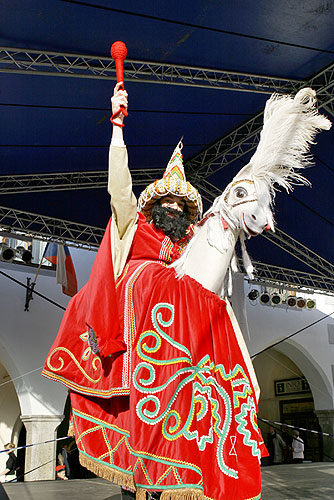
(190, 420)
(71, 360)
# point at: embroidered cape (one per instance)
(188, 425)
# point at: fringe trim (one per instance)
(127, 481)
(183, 494)
(141, 494)
(112, 475)
(70, 431)
(177, 494)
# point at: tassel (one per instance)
(245, 258)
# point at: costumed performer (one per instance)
(162, 400)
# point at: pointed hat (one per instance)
(173, 182)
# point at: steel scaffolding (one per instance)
(37, 62)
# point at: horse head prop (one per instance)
(244, 209)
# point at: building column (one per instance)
(41, 459)
(326, 421)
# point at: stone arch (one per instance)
(314, 373)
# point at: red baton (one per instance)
(118, 52)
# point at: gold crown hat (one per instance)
(173, 182)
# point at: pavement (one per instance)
(280, 482)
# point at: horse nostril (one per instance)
(253, 217)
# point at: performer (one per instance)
(162, 398)
(170, 203)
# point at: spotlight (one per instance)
(6, 253)
(301, 302)
(265, 298)
(25, 254)
(253, 294)
(291, 301)
(310, 304)
(275, 299)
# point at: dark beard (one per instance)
(174, 227)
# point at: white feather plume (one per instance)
(289, 127)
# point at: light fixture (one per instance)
(291, 301)
(276, 299)
(6, 253)
(25, 254)
(265, 298)
(301, 302)
(310, 304)
(253, 294)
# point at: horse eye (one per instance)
(240, 192)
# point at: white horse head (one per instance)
(244, 209)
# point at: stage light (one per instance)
(301, 302)
(253, 294)
(291, 301)
(6, 253)
(310, 304)
(265, 298)
(276, 299)
(25, 254)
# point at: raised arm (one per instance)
(123, 201)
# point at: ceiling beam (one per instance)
(279, 277)
(50, 229)
(67, 181)
(141, 177)
(244, 138)
(89, 237)
(36, 62)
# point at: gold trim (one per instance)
(108, 473)
(71, 355)
(183, 494)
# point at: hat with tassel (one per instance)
(173, 182)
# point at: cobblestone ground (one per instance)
(281, 482)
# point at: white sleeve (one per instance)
(124, 206)
(123, 201)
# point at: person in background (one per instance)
(8, 474)
(276, 447)
(297, 448)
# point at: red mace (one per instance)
(118, 52)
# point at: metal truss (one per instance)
(281, 277)
(50, 229)
(245, 138)
(16, 60)
(84, 180)
(17, 222)
(62, 181)
(323, 83)
(300, 252)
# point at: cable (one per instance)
(35, 444)
(21, 376)
(160, 111)
(34, 291)
(292, 334)
(93, 145)
(266, 421)
(324, 163)
(314, 212)
(198, 26)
